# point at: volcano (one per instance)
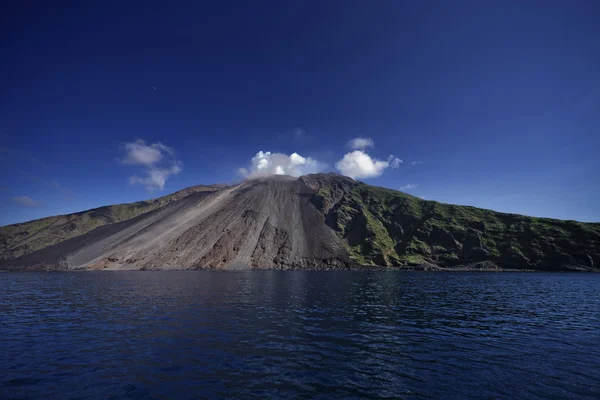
(319, 221)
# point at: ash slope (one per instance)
(24, 238)
(261, 223)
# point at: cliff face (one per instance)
(316, 221)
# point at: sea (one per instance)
(299, 335)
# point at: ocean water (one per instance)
(295, 334)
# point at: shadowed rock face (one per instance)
(315, 221)
(261, 223)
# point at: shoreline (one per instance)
(364, 269)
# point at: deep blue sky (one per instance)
(498, 101)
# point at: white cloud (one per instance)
(155, 178)
(416, 162)
(358, 164)
(265, 163)
(394, 161)
(25, 201)
(139, 153)
(361, 143)
(155, 158)
(408, 186)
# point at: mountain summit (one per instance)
(315, 221)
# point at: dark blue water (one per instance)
(299, 335)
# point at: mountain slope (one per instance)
(386, 227)
(315, 221)
(260, 223)
(20, 239)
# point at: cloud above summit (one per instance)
(25, 201)
(157, 162)
(266, 163)
(358, 164)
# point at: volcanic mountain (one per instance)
(318, 221)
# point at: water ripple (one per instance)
(298, 334)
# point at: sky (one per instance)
(494, 104)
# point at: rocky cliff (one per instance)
(315, 221)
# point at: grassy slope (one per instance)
(19, 239)
(387, 227)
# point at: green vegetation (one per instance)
(387, 227)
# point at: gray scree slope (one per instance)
(261, 223)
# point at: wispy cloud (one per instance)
(140, 153)
(394, 161)
(265, 163)
(416, 162)
(32, 168)
(358, 164)
(408, 186)
(156, 177)
(360, 143)
(158, 162)
(298, 133)
(25, 201)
